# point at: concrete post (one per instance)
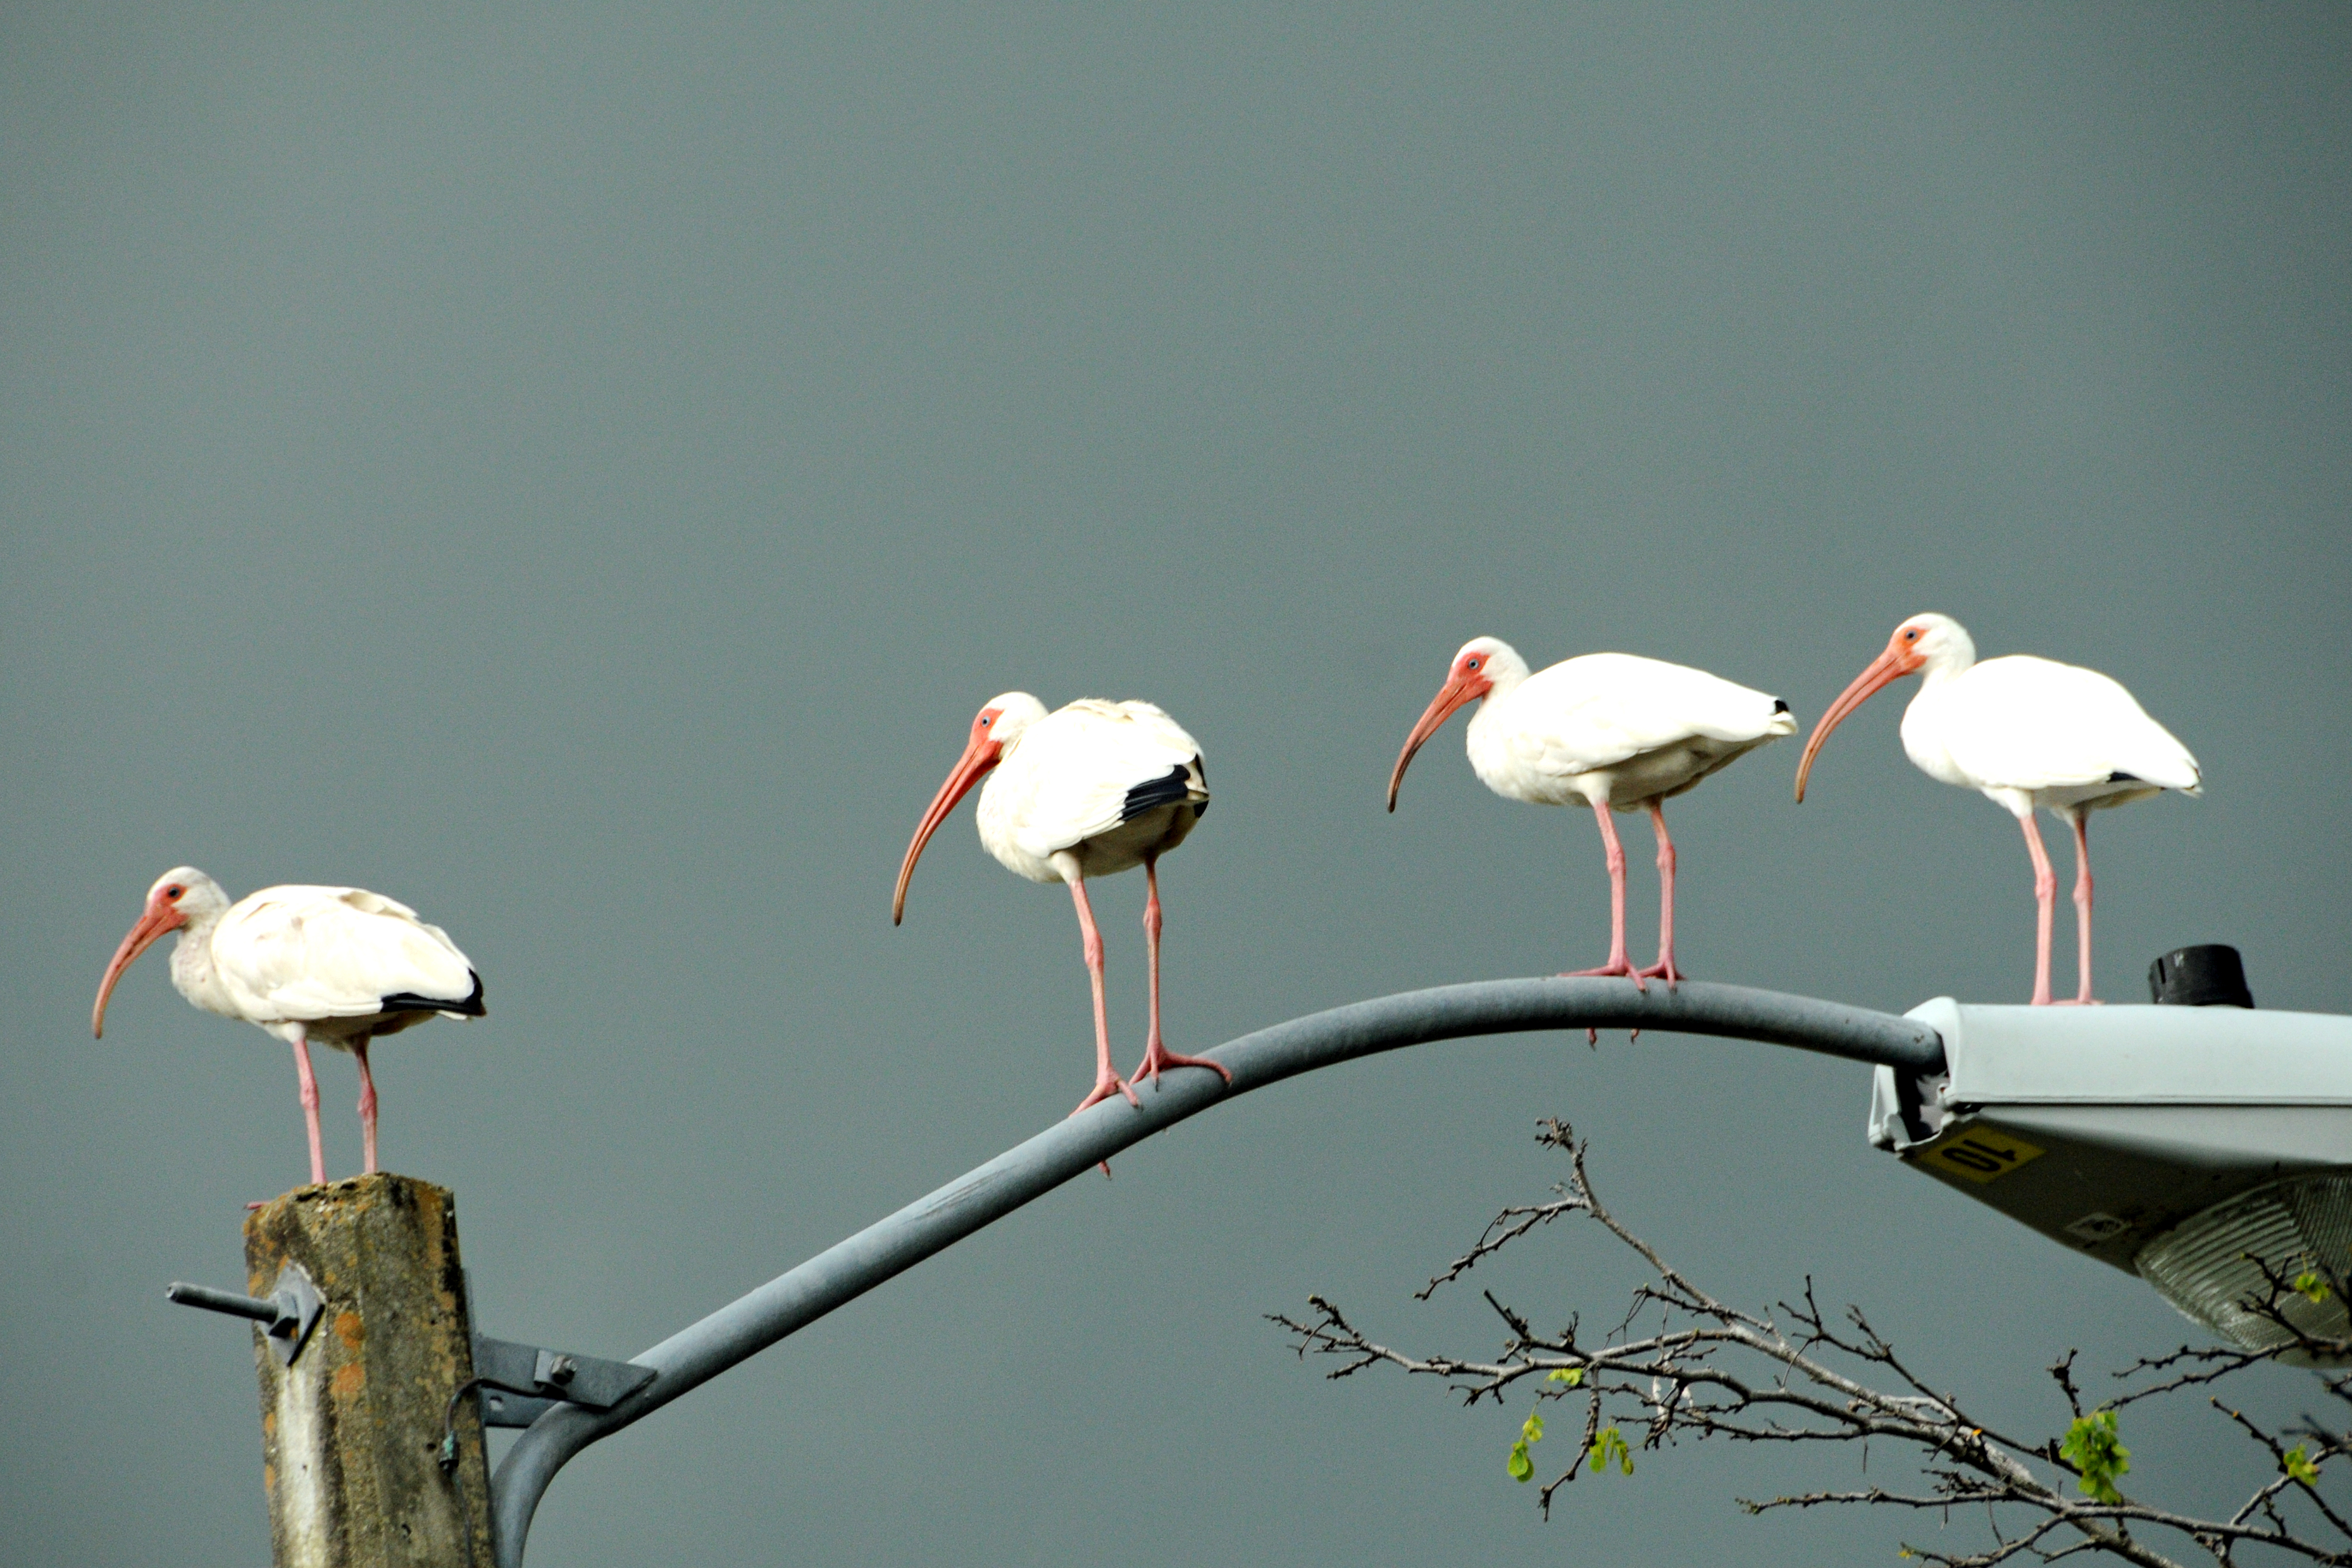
(351, 1432)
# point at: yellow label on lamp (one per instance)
(1980, 1154)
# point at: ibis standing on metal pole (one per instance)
(1085, 791)
(339, 965)
(2026, 734)
(1610, 730)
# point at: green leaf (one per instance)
(2299, 1465)
(1533, 1430)
(1609, 1444)
(2095, 1451)
(2311, 1286)
(1571, 1375)
(1520, 1466)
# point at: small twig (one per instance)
(2062, 1369)
(1499, 1232)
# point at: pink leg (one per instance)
(2083, 997)
(1156, 1055)
(310, 1110)
(1107, 1082)
(1665, 968)
(367, 1102)
(1618, 962)
(2045, 899)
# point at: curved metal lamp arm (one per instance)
(849, 1268)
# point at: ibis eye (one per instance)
(173, 892)
(984, 723)
(1470, 664)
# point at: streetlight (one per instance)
(2195, 1143)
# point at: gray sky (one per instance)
(578, 470)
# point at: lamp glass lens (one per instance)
(2300, 1229)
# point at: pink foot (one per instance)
(1104, 1086)
(1623, 966)
(1158, 1056)
(1664, 970)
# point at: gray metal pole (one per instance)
(1069, 1148)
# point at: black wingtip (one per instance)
(1779, 705)
(411, 1002)
(1172, 788)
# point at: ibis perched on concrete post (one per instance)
(1610, 730)
(1085, 791)
(338, 965)
(2026, 734)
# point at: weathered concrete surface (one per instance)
(351, 1431)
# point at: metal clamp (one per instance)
(522, 1383)
(287, 1315)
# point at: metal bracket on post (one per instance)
(522, 1383)
(287, 1315)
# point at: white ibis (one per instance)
(1610, 730)
(1084, 791)
(340, 965)
(2024, 732)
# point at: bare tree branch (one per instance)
(1684, 1362)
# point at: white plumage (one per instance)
(338, 965)
(2026, 734)
(2056, 732)
(1610, 730)
(323, 957)
(1068, 781)
(1085, 791)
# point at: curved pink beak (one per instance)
(980, 754)
(1893, 664)
(161, 916)
(1457, 691)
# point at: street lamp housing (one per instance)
(2180, 1143)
